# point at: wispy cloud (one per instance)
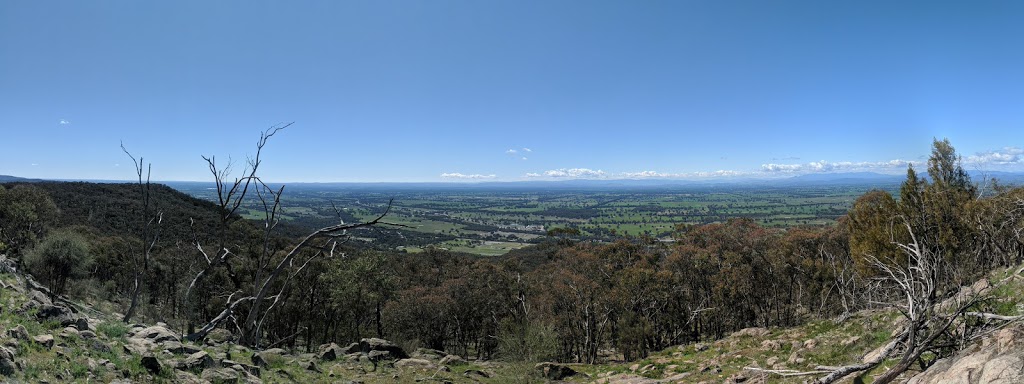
(511, 152)
(841, 166)
(686, 175)
(456, 175)
(572, 173)
(527, 150)
(64, 122)
(1005, 156)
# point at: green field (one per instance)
(494, 221)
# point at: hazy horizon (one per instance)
(469, 91)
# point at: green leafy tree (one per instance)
(26, 213)
(60, 257)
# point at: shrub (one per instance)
(61, 256)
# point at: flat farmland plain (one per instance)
(491, 221)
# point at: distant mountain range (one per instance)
(852, 178)
(15, 179)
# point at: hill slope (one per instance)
(51, 339)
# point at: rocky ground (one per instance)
(51, 339)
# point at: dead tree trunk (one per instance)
(149, 233)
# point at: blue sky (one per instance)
(515, 90)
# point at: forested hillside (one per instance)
(568, 299)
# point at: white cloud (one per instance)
(842, 166)
(456, 175)
(1005, 156)
(64, 122)
(34, 164)
(532, 175)
(644, 175)
(575, 173)
(511, 152)
(524, 158)
(690, 175)
(527, 150)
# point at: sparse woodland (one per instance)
(198, 266)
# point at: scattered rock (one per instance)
(241, 367)
(771, 361)
(452, 360)
(196, 362)
(375, 356)
(329, 352)
(87, 334)
(220, 336)
(554, 371)
(46, 340)
(69, 332)
(220, 375)
(7, 365)
(709, 368)
(851, 340)
(151, 363)
(415, 364)
(428, 353)
(997, 359)
(810, 343)
(737, 378)
(771, 345)
(18, 332)
(82, 323)
(375, 344)
(179, 348)
(156, 334)
(312, 367)
(754, 332)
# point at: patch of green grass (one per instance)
(113, 329)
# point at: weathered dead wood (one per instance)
(150, 232)
(785, 372)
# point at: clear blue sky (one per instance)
(513, 90)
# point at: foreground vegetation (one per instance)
(200, 266)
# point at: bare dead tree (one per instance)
(230, 196)
(928, 325)
(250, 325)
(149, 233)
(260, 302)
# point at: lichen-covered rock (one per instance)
(329, 352)
(46, 340)
(196, 362)
(220, 375)
(179, 348)
(18, 332)
(7, 365)
(997, 359)
(156, 334)
(452, 360)
(375, 344)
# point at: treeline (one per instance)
(566, 299)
